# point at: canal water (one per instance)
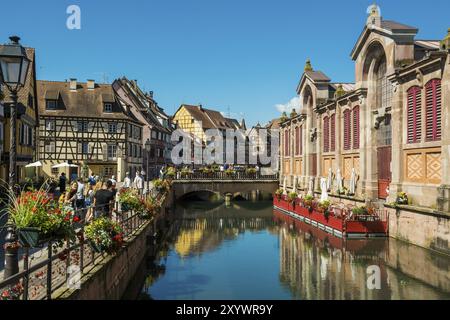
(246, 250)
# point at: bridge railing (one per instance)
(49, 268)
(238, 175)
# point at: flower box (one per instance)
(31, 237)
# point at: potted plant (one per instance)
(229, 172)
(308, 202)
(360, 211)
(150, 208)
(402, 198)
(170, 173)
(185, 172)
(128, 199)
(279, 193)
(38, 219)
(291, 198)
(324, 207)
(104, 235)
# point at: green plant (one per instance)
(38, 211)
(129, 199)
(250, 170)
(170, 173)
(279, 193)
(402, 198)
(229, 172)
(324, 205)
(360, 211)
(104, 234)
(292, 196)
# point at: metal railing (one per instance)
(48, 269)
(237, 175)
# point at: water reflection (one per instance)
(239, 252)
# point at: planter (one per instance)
(31, 237)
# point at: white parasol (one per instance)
(34, 164)
(329, 179)
(311, 186)
(323, 188)
(353, 182)
(65, 165)
(339, 180)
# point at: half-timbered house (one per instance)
(157, 126)
(85, 124)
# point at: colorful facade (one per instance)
(390, 128)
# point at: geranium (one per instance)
(37, 210)
(129, 199)
(104, 234)
(12, 293)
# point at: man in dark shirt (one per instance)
(103, 199)
(62, 183)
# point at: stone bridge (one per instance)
(234, 187)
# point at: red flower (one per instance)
(76, 219)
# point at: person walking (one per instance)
(62, 183)
(139, 183)
(113, 179)
(127, 181)
(103, 201)
(71, 195)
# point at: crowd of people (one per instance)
(95, 197)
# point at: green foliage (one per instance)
(292, 196)
(360, 211)
(105, 234)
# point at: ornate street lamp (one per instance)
(14, 65)
(148, 147)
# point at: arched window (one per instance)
(414, 128)
(433, 110)
(384, 87)
(326, 134)
(356, 127)
(333, 132)
(347, 129)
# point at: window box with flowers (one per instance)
(129, 199)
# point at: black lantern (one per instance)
(148, 145)
(14, 64)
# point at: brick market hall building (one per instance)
(391, 127)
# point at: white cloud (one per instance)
(294, 103)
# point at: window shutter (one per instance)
(347, 130)
(433, 110)
(300, 140)
(356, 127)
(333, 133)
(414, 129)
(326, 135)
(297, 140)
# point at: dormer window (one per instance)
(51, 104)
(107, 107)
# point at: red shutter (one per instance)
(414, 129)
(333, 133)
(433, 110)
(326, 134)
(356, 127)
(347, 130)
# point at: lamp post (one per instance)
(148, 147)
(14, 65)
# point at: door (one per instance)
(384, 171)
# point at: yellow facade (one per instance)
(187, 123)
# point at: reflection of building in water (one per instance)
(199, 235)
(316, 265)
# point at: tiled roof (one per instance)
(80, 103)
(396, 26)
(317, 76)
(428, 44)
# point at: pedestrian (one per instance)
(103, 201)
(139, 183)
(80, 200)
(71, 195)
(127, 181)
(62, 183)
(113, 179)
(91, 180)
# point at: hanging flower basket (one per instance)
(31, 237)
(104, 235)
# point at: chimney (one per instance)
(73, 84)
(151, 94)
(91, 84)
(134, 84)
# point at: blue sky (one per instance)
(243, 56)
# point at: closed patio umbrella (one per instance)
(34, 164)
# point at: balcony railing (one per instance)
(238, 175)
(48, 269)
